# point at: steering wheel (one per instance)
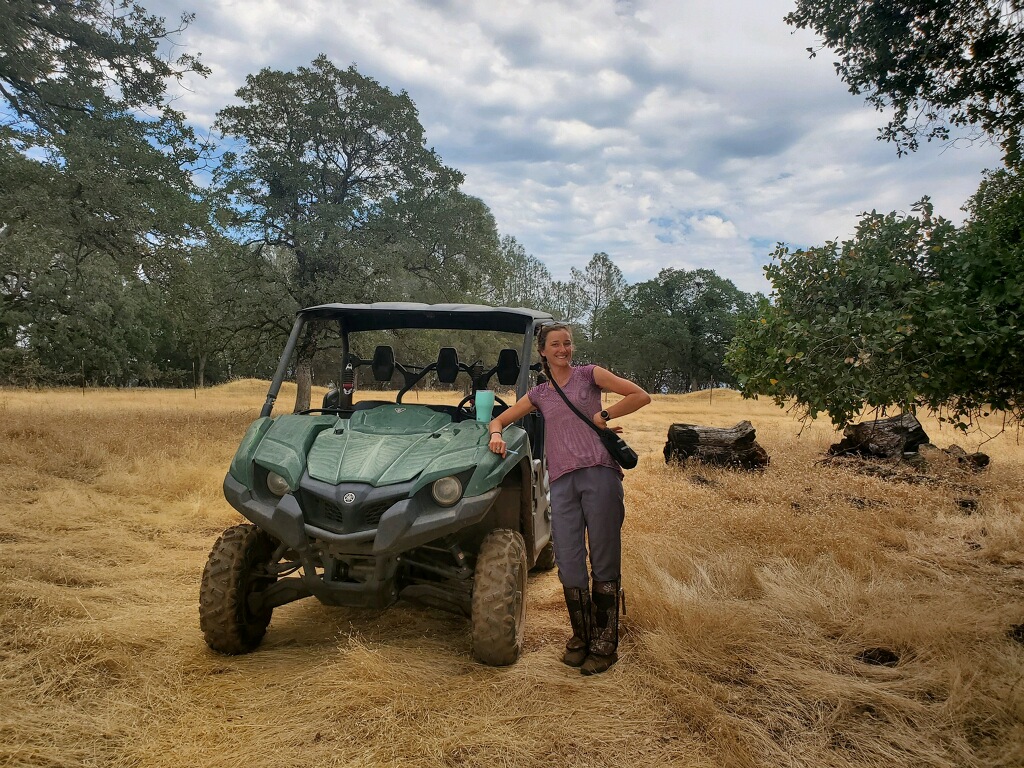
(464, 404)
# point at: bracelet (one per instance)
(495, 433)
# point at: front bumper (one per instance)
(404, 525)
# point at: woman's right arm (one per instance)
(521, 407)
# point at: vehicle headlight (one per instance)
(276, 484)
(446, 491)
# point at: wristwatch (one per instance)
(605, 416)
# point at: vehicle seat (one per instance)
(447, 369)
(508, 367)
(383, 365)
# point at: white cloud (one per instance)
(666, 134)
(713, 227)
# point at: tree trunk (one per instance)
(304, 356)
(201, 373)
(303, 384)
(882, 438)
(735, 447)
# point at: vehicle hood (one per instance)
(396, 443)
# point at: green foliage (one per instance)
(92, 324)
(95, 190)
(567, 301)
(600, 283)
(519, 280)
(335, 188)
(83, 96)
(584, 298)
(112, 273)
(65, 63)
(672, 330)
(911, 312)
(200, 300)
(332, 168)
(984, 273)
(934, 63)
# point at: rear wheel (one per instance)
(499, 598)
(236, 569)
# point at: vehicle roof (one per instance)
(406, 314)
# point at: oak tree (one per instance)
(94, 165)
(332, 173)
(938, 65)
(911, 312)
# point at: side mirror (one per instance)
(383, 365)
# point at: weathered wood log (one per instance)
(735, 447)
(882, 438)
(973, 461)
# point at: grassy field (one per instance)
(759, 606)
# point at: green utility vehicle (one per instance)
(365, 502)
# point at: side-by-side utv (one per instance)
(365, 502)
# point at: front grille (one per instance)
(343, 518)
(331, 512)
(372, 513)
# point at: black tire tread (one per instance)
(499, 598)
(228, 625)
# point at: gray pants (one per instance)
(587, 504)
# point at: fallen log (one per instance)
(973, 461)
(882, 438)
(735, 447)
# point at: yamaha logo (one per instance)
(349, 497)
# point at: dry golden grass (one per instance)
(751, 598)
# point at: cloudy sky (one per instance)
(665, 133)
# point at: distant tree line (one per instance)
(670, 333)
(136, 252)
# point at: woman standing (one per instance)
(586, 492)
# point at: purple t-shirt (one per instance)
(569, 443)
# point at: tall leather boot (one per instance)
(577, 600)
(604, 632)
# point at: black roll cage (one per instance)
(381, 316)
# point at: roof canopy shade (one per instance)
(401, 314)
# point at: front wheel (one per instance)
(236, 569)
(499, 598)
